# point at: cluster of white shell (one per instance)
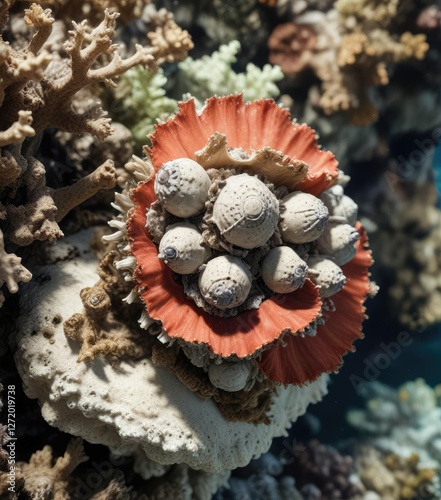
(292, 235)
(316, 235)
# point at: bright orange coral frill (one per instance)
(250, 126)
(274, 327)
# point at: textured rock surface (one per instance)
(132, 407)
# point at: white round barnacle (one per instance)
(229, 376)
(339, 204)
(181, 248)
(182, 187)
(246, 212)
(338, 241)
(303, 219)
(326, 274)
(225, 282)
(283, 271)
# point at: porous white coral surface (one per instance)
(133, 407)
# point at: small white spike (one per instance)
(117, 236)
(131, 298)
(127, 263)
(117, 224)
(145, 320)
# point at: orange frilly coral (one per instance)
(274, 331)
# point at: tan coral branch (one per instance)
(34, 220)
(168, 41)
(11, 270)
(19, 130)
(42, 20)
(67, 198)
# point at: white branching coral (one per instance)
(213, 75)
(143, 102)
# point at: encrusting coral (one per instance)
(37, 91)
(348, 48)
(100, 329)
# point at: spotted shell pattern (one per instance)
(182, 187)
(303, 217)
(225, 282)
(339, 204)
(181, 248)
(246, 211)
(283, 271)
(338, 240)
(326, 274)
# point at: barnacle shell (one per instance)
(181, 248)
(229, 376)
(303, 219)
(328, 275)
(182, 187)
(338, 240)
(246, 212)
(339, 204)
(225, 282)
(283, 271)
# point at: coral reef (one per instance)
(406, 227)
(38, 91)
(234, 292)
(348, 48)
(141, 96)
(232, 280)
(404, 421)
(396, 477)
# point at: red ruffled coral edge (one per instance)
(305, 359)
(165, 300)
(250, 126)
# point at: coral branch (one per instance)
(58, 93)
(19, 130)
(42, 20)
(34, 220)
(169, 42)
(69, 197)
(11, 270)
